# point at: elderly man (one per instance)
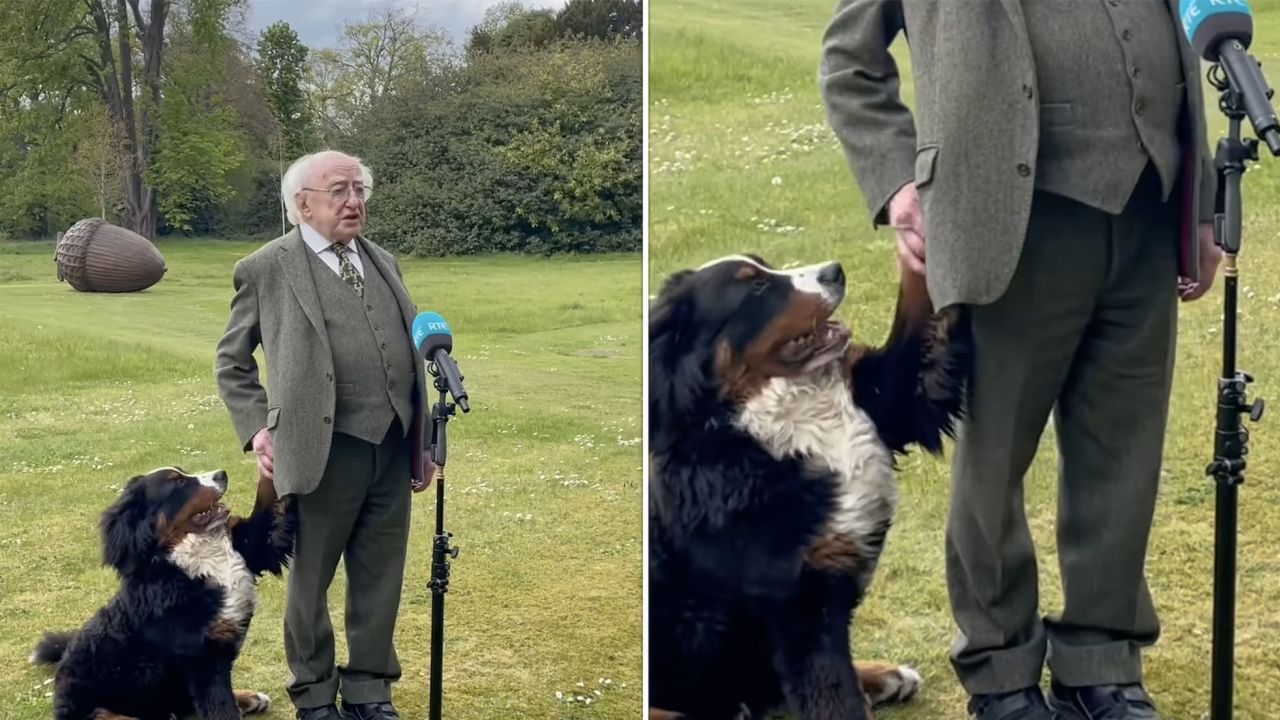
(1054, 165)
(341, 429)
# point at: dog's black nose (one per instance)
(832, 274)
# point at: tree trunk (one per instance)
(116, 85)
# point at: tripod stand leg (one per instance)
(440, 553)
(1224, 601)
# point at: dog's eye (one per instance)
(759, 286)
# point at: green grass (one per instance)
(544, 479)
(734, 105)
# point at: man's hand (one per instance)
(265, 449)
(907, 222)
(430, 469)
(1210, 257)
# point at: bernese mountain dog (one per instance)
(165, 644)
(773, 441)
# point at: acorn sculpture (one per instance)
(96, 256)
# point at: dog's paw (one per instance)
(888, 683)
(251, 702)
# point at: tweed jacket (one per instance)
(276, 306)
(971, 143)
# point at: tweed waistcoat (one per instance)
(373, 363)
(1111, 91)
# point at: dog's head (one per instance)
(719, 333)
(156, 511)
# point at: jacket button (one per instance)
(328, 376)
(1026, 90)
(327, 419)
(1024, 169)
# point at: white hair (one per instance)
(291, 181)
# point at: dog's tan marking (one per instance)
(742, 375)
(835, 552)
(266, 493)
(170, 533)
(656, 714)
(223, 631)
(101, 714)
(251, 701)
(885, 682)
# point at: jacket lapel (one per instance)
(418, 427)
(1014, 8)
(294, 263)
(407, 309)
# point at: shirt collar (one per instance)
(318, 243)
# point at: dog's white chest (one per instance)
(211, 557)
(816, 418)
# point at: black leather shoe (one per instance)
(1024, 704)
(1101, 702)
(370, 711)
(324, 712)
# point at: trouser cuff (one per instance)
(1000, 671)
(314, 695)
(1109, 663)
(360, 692)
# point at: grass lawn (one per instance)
(543, 488)
(742, 159)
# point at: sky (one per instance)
(317, 21)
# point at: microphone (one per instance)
(1220, 31)
(434, 341)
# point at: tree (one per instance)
(197, 139)
(282, 65)
(116, 48)
(602, 19)
(384, 49)
(480, 37)
(374, 60)
(528, 30)
(97, 157)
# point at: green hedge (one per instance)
(532, 152)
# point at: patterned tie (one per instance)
(347, 269)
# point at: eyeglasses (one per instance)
(339, 192)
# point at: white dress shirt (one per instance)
(320, 246)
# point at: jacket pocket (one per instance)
(273, 417)
(926, 158)
(346, 390)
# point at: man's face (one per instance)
(331, 201)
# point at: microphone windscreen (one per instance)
(1209, 23)
(431, 333)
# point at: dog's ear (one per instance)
(128, 532)
(678, 357)
(671, 314)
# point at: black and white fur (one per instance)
(166, 643)
(772, 484)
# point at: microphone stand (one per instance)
(441, 551)
(1231, 441)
